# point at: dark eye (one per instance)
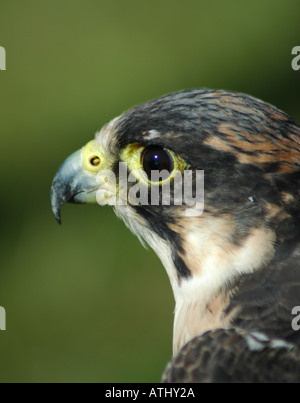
(155, 158)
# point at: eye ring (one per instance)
(158, 163)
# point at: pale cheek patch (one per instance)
(257, 250)
(214, 261)
(209, 250)
(205, 239)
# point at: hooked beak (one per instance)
(73, 184)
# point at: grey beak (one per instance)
(72, 184)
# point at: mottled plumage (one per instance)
(234, 269)
(232, 355)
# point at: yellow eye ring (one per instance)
(134, 155)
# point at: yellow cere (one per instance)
(94, 158)
(132, 155)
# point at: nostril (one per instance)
(95, 161)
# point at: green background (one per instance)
(85, 302)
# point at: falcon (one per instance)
(232, 258)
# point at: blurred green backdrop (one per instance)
(85, 302)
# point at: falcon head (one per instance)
(247, 216)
